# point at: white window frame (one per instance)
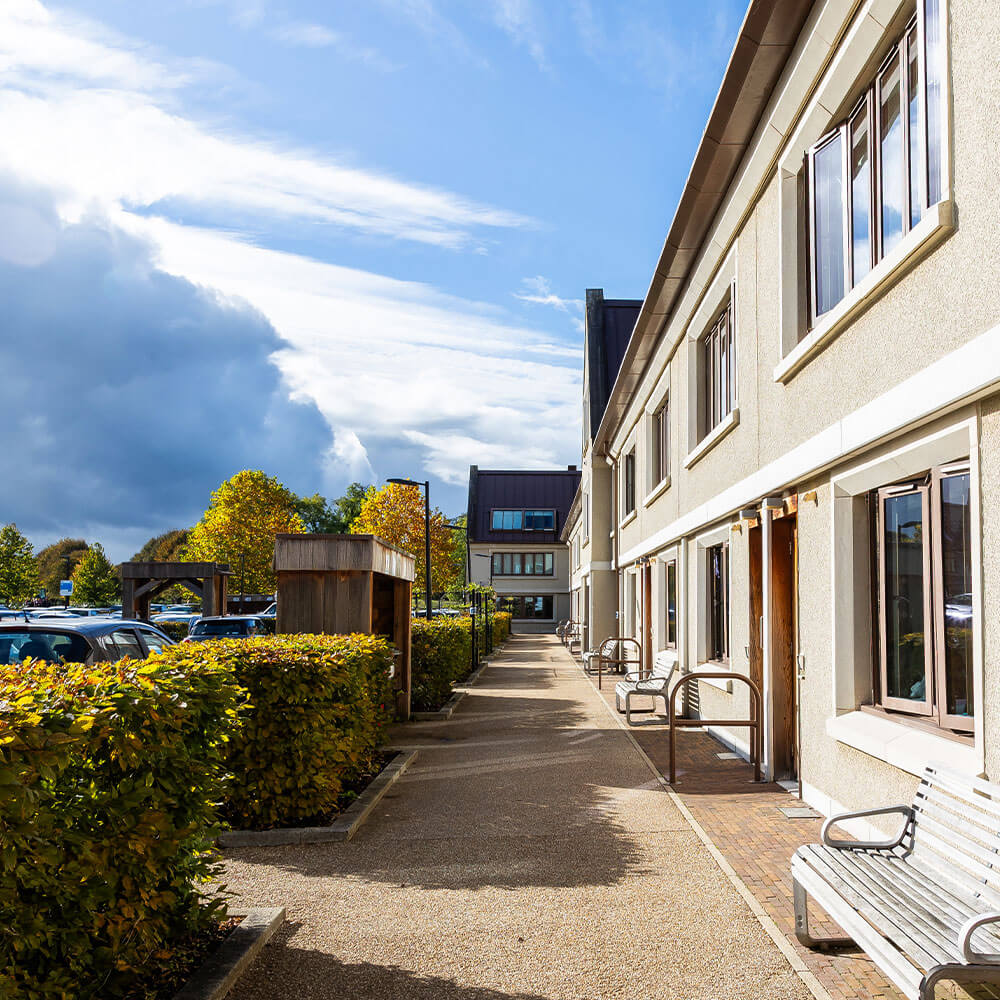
(716, 536)
(877, 24)
(658, 399)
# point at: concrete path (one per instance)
(528, 853)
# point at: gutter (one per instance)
(766, 39)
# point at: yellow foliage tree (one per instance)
(239, 526)
(396, 514)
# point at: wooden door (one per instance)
(783, 646)
(755, 648)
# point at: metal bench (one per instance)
(644, 684)
(924, 905)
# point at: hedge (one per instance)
(441, 655)
(501, 627)
(109, 777)
(176, 630)
(312, 717)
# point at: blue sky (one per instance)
(338, 241)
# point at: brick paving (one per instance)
(744, 821)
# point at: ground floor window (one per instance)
(671, 622)
(531, 607)
(718, 602)
(923, 594)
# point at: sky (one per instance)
(335, 241)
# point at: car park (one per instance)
(83, 640)
(226, 627)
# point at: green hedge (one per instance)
(313, 716)
(441, 656)
(176, 630)
(108, 780)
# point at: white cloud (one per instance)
(538, 290)
(303, 33)
(519, 19)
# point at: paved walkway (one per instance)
(528, 853)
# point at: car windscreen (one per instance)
(219, 628)
(56, 647)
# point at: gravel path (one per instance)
(528, 853)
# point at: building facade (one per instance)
(514, 522)
(797, 465)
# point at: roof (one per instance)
(609, 325)
(766, 39)
(519, 489)
(92, 625)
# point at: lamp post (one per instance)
(427, 536)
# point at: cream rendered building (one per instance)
(797, 470)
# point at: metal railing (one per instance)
(753, 723)
(622, 659)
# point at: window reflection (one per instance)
(891, 147)
(828, 172)
(904, 597)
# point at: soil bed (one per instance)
(163, 978)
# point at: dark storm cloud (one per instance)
(129, 394)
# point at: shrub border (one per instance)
(444, 712)
(343, 827)
(219, 972)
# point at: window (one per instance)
(871, 178)
(671, 622)
(924, 597)
(124, 643)
(661, 444)
(531, 607)
(718, 602)
(539, 520)
(718, 367)
(155, 642)
(522, 564)
(586, 516)
(507, 520)
(628, 483)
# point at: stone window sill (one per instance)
(917, 243)
(658, 490)
(710, 440)
(628, 519)
(901, 746)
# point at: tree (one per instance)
(18, 570)
(396, 514)
(168, 547)
(96, 579)
(238, 528)
(57, 561)
(331, 518)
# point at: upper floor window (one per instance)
(718, 369)
(522, 564)
(523, 520)
(871, 179)
(924, 597)
(586, 516)
(661, 443)
(628, 483)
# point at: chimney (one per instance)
(571, 468)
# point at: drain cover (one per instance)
(799, 812)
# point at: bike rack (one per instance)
(753, 723)
(621, 659)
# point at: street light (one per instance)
(427, 536)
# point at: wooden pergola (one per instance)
(142, 581)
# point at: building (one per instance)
(515, 518)
(798, 464)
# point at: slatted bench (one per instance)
(642, 684)
(924, 905)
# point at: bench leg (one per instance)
(801, 904)
(960, 975)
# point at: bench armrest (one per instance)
(965, 932)
(829, 841)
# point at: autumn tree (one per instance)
(331, 517)
(18, 570)
(96, 580)
(396, 514)
(168, 547)
(58, 561)
(239, 526)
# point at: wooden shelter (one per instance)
(142, 581)
(348, 583)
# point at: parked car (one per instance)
(269, 616)
(226, 627)
(83, 640)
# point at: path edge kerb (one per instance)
(343, 828)
(772, 930)
(219, 972)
